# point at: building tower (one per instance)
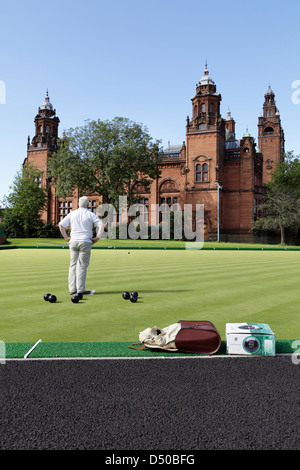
(43, 144)
(270, 135)
(205, 146)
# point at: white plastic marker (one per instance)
(30, 350)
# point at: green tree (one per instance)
(281, 211)
(108, 158)
(22, 207)
(281, 207)
(286, 175)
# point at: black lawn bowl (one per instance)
(46, 297)
(133, 298)
(126, 295)
(80, 295)
(52, 298)
(134, 294)
(75, 299)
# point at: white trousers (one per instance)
(80, 253)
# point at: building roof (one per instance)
(232, 144)
(173, 149)
(269, 91)
(206, 79)
(47, 104)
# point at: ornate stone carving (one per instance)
(169, 187)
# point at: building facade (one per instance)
(211, 167)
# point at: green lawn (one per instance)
(219, 286)
(104, 243)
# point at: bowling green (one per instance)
(216, 285)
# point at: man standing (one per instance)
(81, 222)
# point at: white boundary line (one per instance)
(33, 347)
(141, 358)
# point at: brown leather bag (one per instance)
(199, 337)
(193, 336)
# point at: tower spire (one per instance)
(206, 69)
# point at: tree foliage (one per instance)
(22, 207)
(286, 175)
(280, 210)
(108, 158)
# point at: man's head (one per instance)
(84, 202)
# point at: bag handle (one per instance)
(195, 325)
(139, 349)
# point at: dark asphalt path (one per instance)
(149, 404)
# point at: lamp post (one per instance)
(219, 187)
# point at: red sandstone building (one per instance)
(212, 167)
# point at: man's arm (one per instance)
(100, 229)
(64, 233)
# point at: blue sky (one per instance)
(141, 60)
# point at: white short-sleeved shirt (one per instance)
(81, 221)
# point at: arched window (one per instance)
(201, 172)
(203, 108)
(38, 180)
(269, 164)
(204, 172)
(269, 130)
(198, 172)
